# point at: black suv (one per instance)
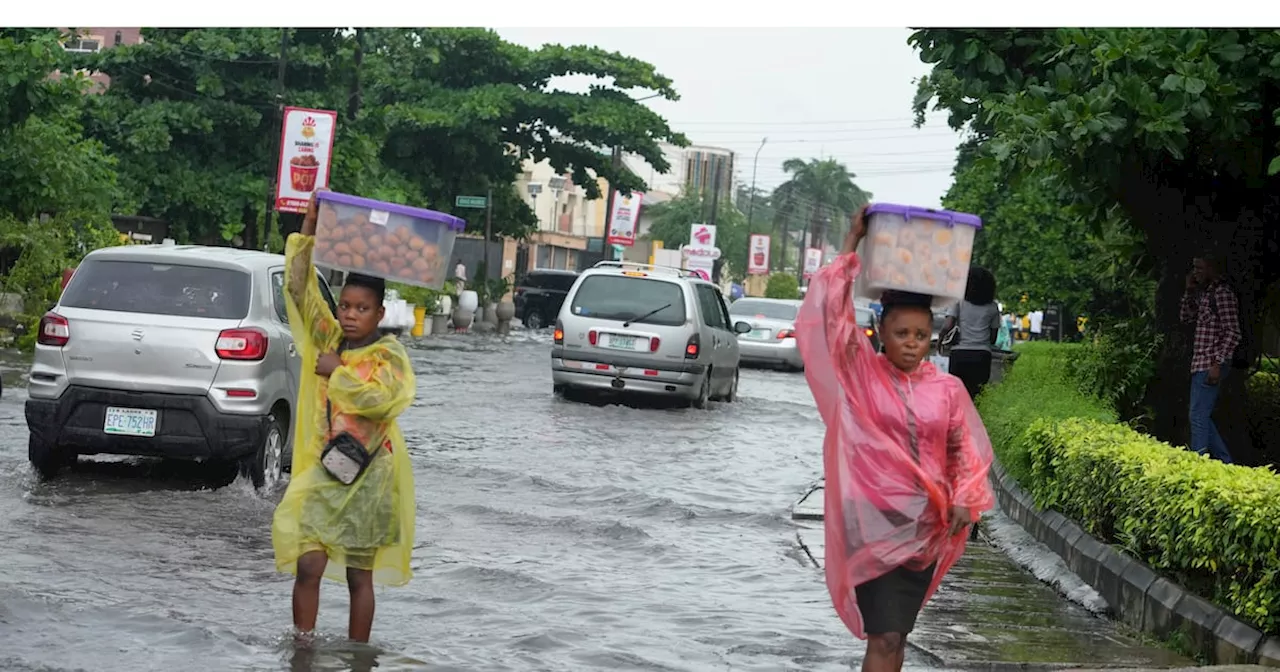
(539, 295)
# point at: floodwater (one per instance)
(551, 536)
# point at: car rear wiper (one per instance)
(646, 315)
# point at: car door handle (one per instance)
(293, 350)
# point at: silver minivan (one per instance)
(646, 329)
(176, 351)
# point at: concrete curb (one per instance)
(1137, 595)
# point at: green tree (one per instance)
(426, 115)
(1030, 240)
(820, 197)
(1174, 129)
(46, 163)
(782, 286)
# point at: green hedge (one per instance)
(1038, 386)
(1214, 528)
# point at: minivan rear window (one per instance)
(769, 309)
(159, 289)
(622, 298)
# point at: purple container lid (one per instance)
(455, 223)
(948, 217)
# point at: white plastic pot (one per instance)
(468, 301)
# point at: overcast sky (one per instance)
(842, 92)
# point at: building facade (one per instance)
(92, 40)
(567, 220)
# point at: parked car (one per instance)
(646, 329)
(175, 351)
(540, 294)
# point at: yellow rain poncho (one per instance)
(368, 524)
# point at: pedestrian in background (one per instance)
(977, 320)
(459, 275)
(1211, 306)
(906, 457)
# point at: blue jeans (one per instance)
(1204, 434)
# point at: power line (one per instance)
(802, 131)
(795, 123)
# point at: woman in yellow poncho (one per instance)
(353, 381)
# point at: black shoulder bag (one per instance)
(344, 456)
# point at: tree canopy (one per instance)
(425, 115)
(1171, 131)
(819, 192)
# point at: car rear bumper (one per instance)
(187, 427)
(626, 374)
(776, 352)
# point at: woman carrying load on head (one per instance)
(905, 456)
(354, 385)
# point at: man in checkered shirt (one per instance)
(1211, 306)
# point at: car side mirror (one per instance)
(741, 328)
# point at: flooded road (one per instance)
(551, 536)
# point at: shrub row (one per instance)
(1213, 528)
(1038, 386)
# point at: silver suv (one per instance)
(649, 330)
(176, 351)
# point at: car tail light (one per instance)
(592, 337)
(241, 393)
(786, 333)
(558, 335)
(54, 330)
(693, 348)
(242, 344)
(654, 343)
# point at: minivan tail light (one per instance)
(693, 348)
(242, 344)
(654, 343)
(592, 337)
(558, 335)
(54, 331)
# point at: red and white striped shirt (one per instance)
(1217, 335)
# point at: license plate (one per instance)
(130, 421)
(621, 342)
(759, 334)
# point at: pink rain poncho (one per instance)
(900, 449)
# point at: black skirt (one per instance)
(891, 602)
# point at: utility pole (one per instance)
(751, 205)
(488, 232)
(616, 162)
(274, 170)
(715, 208)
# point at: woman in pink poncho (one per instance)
(906, 457)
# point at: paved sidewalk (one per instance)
(991, 614)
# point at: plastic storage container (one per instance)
(917, 250)
(396, 242)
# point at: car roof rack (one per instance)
(670, 270)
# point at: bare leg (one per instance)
(360, 583)
(884, 652)
(306, 590)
